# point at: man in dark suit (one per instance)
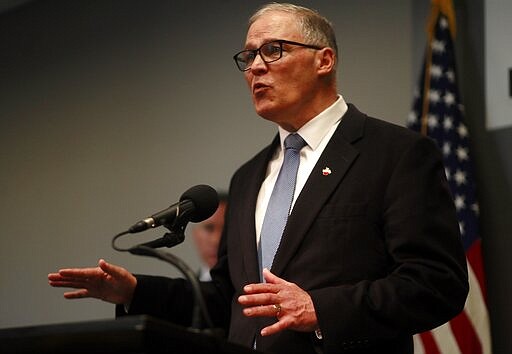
(370, 253)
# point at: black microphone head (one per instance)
(205, 200)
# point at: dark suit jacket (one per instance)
(375, 243)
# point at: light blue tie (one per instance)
(279, 205)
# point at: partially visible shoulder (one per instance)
(376, 137)
(257, 164)
(378, 130)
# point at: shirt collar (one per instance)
(315, 130)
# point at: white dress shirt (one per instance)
(317, 133)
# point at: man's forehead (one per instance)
(272, 26)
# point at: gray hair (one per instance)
(316, 29)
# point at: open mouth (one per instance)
(258, 87)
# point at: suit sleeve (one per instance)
(426, 284)
(173, 299)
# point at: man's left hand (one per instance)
(291, 305)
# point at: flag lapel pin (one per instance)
(326, 171)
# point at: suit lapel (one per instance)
(338, 156)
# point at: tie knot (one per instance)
(294, 141)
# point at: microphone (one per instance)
(196, 204)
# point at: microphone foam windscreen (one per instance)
(205, 200)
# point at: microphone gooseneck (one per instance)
(196, 204)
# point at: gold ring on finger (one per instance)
(277, 307)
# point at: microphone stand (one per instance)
(171, 239)
(199, 311)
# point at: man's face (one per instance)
(282, 91)
(207, 236)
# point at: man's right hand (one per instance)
(107, 282)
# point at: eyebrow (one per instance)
(247, 47)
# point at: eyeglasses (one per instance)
(269, 52)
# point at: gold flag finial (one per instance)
(444, 7)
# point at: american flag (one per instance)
(438, 113)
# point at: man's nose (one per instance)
(258, 65)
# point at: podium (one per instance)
(126, 335)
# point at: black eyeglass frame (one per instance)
(257, 51)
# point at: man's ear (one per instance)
(326, 61)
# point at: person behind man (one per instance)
(206, 235)
(370, 253)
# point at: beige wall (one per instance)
(498, 62)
